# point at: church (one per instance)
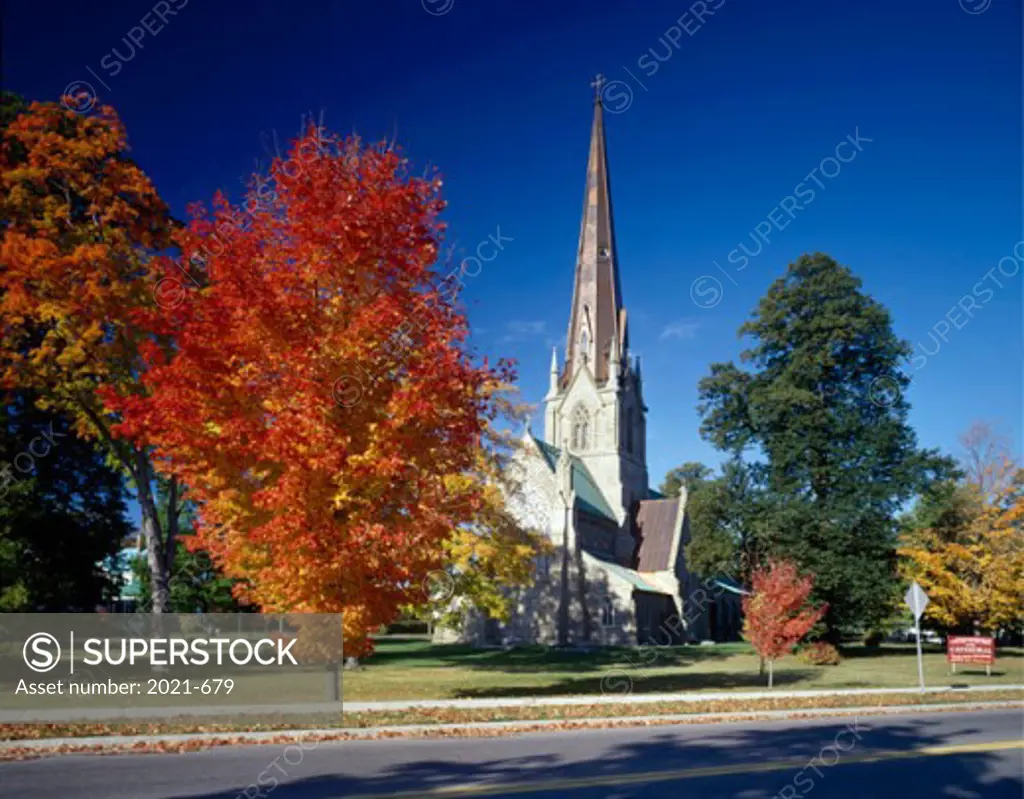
(617, 574)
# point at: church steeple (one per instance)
(597, 317)
(595, 399)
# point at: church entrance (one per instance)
(492, 632)
(657, 621)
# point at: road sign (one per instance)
(917, 599)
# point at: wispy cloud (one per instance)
(681, 329)
(521, 330)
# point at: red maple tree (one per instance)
(320, 401)
(777, 614)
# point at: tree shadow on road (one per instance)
(853, 758)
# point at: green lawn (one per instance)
(416, 669)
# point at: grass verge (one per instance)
(444, 716)
(413, 670)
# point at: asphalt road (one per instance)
(957, 755)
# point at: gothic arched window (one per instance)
(580, 428)
(629, 430)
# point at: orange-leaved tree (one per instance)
(320, 402)
(777, 613)
(80, 223)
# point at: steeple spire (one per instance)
(596, 318)
(553, 384)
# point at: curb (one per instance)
(631, 698)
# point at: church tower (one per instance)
(594, 403)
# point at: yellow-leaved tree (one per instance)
(488, 560)
(969, 554)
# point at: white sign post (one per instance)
(917, 599)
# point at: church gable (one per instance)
(582, 388)
(581, 415)
(536, 497)
(589, 497)
(658, 527)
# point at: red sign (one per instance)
(966, 649)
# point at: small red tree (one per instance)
(778, 614)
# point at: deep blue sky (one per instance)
(496, 95)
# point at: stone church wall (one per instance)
(535, 618)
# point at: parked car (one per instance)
(907, 636)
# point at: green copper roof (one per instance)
(632, 577)
(730, 585)
(588, 495)
(549, 452)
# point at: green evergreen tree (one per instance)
(690, 474)
(819, 406)
(63, 514)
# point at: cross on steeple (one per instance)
(598, 83)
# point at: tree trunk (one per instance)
(760, 667)
(157, 545)
(158, 579)
(331, 683)
(832, 634)
(172, 522)
(159, 549)
(771, 674)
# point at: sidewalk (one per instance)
(630, 698)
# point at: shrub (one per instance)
(408, 627)
(819, 653)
